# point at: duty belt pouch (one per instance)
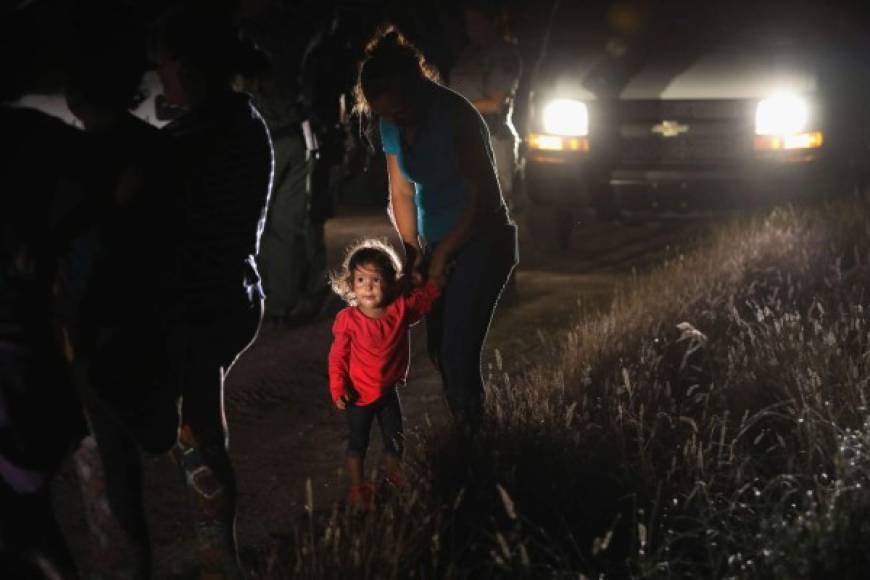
(252, 283)
(310, 136)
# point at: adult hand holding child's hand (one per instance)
(413, 265)
(438, 271)
(417, 278)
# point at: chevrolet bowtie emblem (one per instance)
(669, 129)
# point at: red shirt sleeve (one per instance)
(339, 357)
(421, 300)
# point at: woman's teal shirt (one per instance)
(431, 163)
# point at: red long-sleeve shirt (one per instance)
(370, 355)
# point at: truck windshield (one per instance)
(580, 28)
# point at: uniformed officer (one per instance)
(487, 73)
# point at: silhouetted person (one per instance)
(40, 413)
(120, 338)
(328, 76)
(487, 72)
(285, 255)
(226, 159)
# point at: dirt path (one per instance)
(283, 427)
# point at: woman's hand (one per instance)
(438, 270)
(341, 403)
(413, 264)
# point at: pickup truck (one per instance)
(678, 120)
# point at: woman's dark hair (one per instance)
(368, 252)
(389, 56)
(202, 36)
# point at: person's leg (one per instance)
(283, 257)
(314, 287)
(355, 465)
(435, 331)
(280, 259)
(359, 423)
(202, 450)
(37, 402)
(505, 163)
(506, 167)
(477, 279)
(390, 421)
(202, 455)
(31, 542)
(109, 470)
(316, 277)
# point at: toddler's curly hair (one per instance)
(368, 252)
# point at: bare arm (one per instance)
(403, 212)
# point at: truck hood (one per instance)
(724, 74)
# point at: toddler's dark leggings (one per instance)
(388, 411)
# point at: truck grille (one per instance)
(709, 133)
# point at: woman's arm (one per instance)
(403, 213)
(479, 178)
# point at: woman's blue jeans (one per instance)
(458, 324)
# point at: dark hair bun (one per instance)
(392, 39)
(389, 42)
(389, 56)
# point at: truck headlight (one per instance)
(782, 115)
(782, 123)
(567, 117)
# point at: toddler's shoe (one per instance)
(361, 496)
(395, 480)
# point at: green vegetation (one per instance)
(714, 423)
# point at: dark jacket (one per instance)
(226, 158)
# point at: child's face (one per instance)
(369, 286)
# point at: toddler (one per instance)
(370, 354)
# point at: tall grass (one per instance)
(713, 423)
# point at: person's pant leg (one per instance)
(390, 422)
(468, 304)
(359, 426)
(316, 275)
(202, 450)
(109, 469)
(40, 419)
(281, 259)
(283, 254)
(505, 164)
